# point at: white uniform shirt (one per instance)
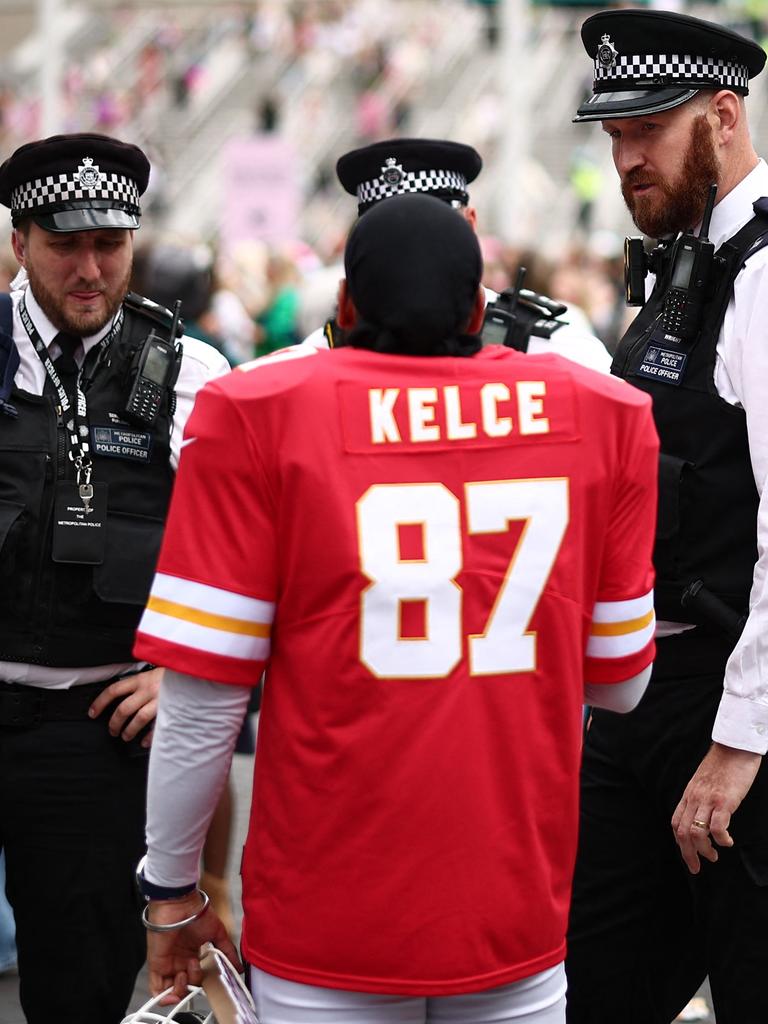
(741, 378)
(200, 363)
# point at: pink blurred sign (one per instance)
(261, 190)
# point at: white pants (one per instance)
(539, 999)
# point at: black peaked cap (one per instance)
(75, 182)
(413, 266)
(402, 166)
(649, 61)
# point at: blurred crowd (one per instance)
(324, 74)
(260, 298)
(337, 74)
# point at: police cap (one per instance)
(75, 182)
(413, 267)
(649, 61)
(399, 166)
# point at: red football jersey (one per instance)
(429, 555)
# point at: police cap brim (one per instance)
(68, 221)
(602, 106)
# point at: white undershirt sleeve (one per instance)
(619, 697)
(197, 727)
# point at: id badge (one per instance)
(662, 364)
(663, 360)
(80, 523)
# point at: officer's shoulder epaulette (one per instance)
(153, 311)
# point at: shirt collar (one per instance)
(735, 210)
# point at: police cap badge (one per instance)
(401, 166)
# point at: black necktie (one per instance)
(65, 364)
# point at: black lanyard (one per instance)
(75, 423)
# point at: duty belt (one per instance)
(24, 707)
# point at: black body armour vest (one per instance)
(59, 614)
(708, 501)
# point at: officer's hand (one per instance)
(720, 783)
(173, 957)
(138, 708)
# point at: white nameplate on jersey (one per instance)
(121, 443)
(79, 526)
(446, 415)
(662, 364)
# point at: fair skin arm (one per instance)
(174, 957)
(718, 786)
(137, 708)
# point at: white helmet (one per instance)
(222, 999)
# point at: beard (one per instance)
(83, 323)
(680, 206)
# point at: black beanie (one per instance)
(413, 268)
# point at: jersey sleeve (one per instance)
(212, 601)
(621, 634)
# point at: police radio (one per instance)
(517, 313)
(689, 284)
(154, 372)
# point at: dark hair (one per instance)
(411, 343)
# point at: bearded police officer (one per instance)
(647, 924)
(96, 387)
(444, 169)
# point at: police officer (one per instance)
(444, 169)
(648, 924)
(95, 392)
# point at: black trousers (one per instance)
(72, 803)
(644, 932)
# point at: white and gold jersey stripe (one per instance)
(208, 619)
(621, 628)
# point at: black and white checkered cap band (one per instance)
(411, 181)
(673, 69)
(65, 188)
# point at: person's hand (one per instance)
(718, 786)
(173, 957)
(137, 710)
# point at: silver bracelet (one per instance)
(152, 927)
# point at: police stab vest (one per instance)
(707, 514)
(63, 614)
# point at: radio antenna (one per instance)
(708, 213)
